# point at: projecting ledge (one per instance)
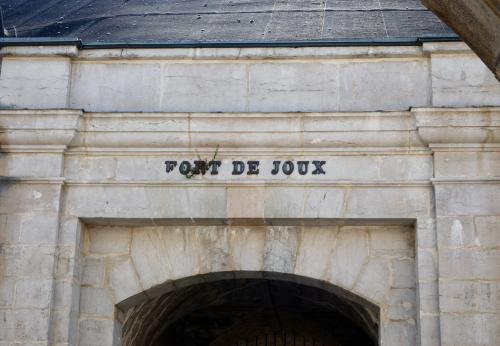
(458, 125)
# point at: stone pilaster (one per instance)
(466, 146)
(32, 152)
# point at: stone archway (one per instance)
(368, 270)
(253, 308)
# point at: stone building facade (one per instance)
(364, 178)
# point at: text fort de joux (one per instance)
(188, 168)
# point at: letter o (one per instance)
(185, 167)
(288, 167)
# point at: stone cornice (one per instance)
(458, 126)
(44, 128)
(439, 128)
(247, 130)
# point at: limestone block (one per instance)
(67, 264)
(29, 325)
(349, 258)
(7, 285)
(10, 228)
(90, 168)
(34, 83)
(96, 301)
(400, 333)
(406, 167)
(108, 87)
(122, 278)
(245, 202)
(66, 296)
(374, 85)
(93, 272)
(457, 296)
(247, 247)
(32, 261)
(320, 202)
(426, 234)
(403, 273)
(402, 305)
(462, 81)
(390, 241)
(19, 198)
(469, 263)
(33, 293)
(70, 231)
(214, 249)
(315, 247)
(467, 164)
(294, 202)
(176, 250)
(112, 240)
(488, 231)
(469, 329)
(429, 332)
(151, 258)
(39, 229)
(427, 266)
(460, 199)
(428, 296)
(456, 231)
(204, 87)
(489, 296)
(391, 202)
(7, 329)
(64, 327)
(291, 87)
(95, 332)
(150, 202)
(373, 282)
(31, 165)
(281, 249)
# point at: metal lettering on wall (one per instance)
(188, 168)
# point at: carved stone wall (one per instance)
(70, 177)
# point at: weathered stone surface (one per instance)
(462, 81)
(93, 272)
(7, 286)
(33, 293)
(46, 80)
(467, 329)
(96, 301)
(369, 283)
(280, 253)
(476, 199)
(114, 240)
(122, 278)
(464, 263)
(349, 258)
(147, 233)
(95, 332)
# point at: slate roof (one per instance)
(220, 20)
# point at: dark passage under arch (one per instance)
(253, 311)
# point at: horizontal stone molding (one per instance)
(458, 125)
(254, 53)
(38, 127)
(439, 128)
(255, 183)
(39, 51)
(247, 130)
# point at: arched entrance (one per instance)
(253, 308)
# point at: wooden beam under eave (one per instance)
(477, 22)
